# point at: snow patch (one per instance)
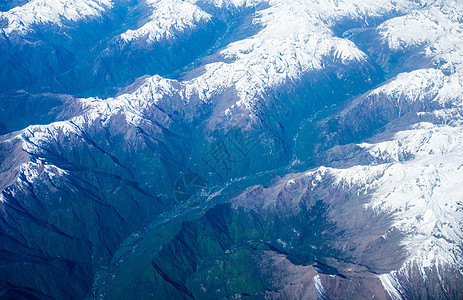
(321, 292)
(391, 285)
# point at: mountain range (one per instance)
(231, 149)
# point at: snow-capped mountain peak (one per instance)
(43, 12)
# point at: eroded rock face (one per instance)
(263, 160)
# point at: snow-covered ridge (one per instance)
(438, 29)
(272, 56)
(421, 196)
(421, 183)
(278, 53)
(423, 85)
(420, 187)
(35, 12)
(168, 19)
(269, 58)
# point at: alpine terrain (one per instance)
(231, 149)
